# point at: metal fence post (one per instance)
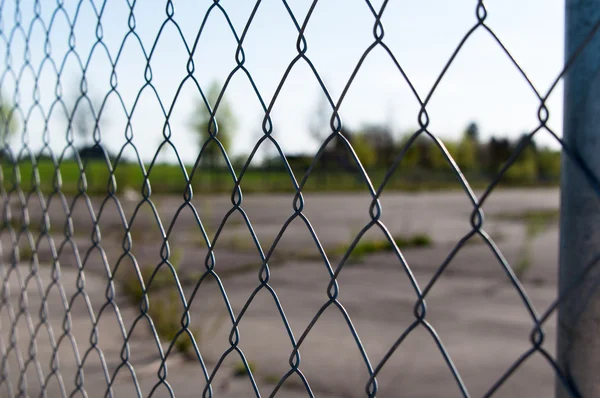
(578, 346)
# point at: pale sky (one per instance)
(481, 84)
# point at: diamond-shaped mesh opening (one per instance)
(177, 221)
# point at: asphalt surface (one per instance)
(474, 311)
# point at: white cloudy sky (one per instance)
(481, 84)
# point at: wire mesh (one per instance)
(43, 216)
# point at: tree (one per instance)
(548, 162)
(83, 123)
(84, 117)
(162, 151)
(319, 126)
(410, 160)
(336, 152)
(499, 150)
(8, 122)
(381, 140)
(267, 151)
(472, 132)
(524, 169)
(438, 160)
(364, 150)
(203, 125)
(466, 153)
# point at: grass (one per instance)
(291, 382)
(166, 315)
(165, 306)
(165, 312)
(362, 248)
(17, 225)
(169, 179)
(239, 369)
(539, 220)
(272, 378)
(184, 344)
(132, 287)
(25, 253)
(476, 239)
(536, 222)
(523, 264)
(241, 241)
(365, 247)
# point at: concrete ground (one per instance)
(476, 312)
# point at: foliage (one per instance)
(203, 124)
(498, 151)
(380, 139)
(364, 150)
(436, 155)
(8, 121)
(319, 121)
(411, 156)
(524, 169)
(472, 132)
(168, 179)
(83, 113)
(466, 154)
(548, 164)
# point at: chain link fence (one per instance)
(113, 285)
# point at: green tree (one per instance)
(8, 121)
(83, 123)
(364, 150)
(548, 162)
(381, 141)
(410, 160)
(318, 126)
(438, 160)
(472, 132)
(466, 154)
(202, 125)
(84, 113)
(524, 169)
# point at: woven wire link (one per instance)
(18, 229)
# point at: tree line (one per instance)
(375, 145)
(377, 148)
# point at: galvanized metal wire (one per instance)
(20, 230)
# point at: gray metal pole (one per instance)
(578, 346)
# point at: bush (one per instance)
(524, 169)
